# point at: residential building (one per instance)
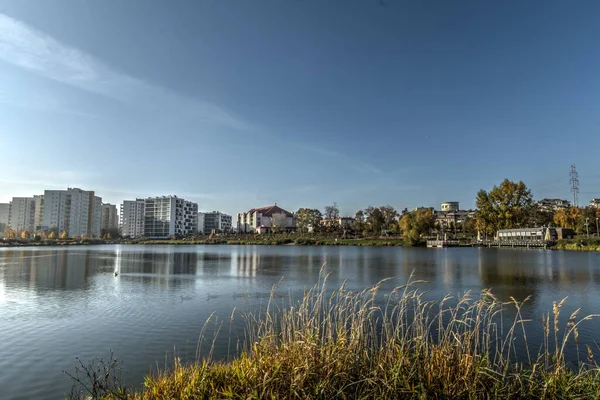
(265, 219)
(38, 212)
(450, 206)
(343, 222)
(4, 217)
(201, 223)
(22, 214)
(453, 219)
(132, 218)
(75, 211)
(552, 204)
(595, 203)
(110, 218)
(169, 215)
(216, 221)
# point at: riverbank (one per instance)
(343, 345)
(52, 242)
(584, 244)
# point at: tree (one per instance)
(374, 220)
(416, 224)
(52, 235)
(563, 218)
(64, 235)
(278, 222)
(331, 215)
(389, 216)
(83, 236)
(10, 233)
(506, 206)
(108, 236)
(359, 222)
(25, 234)
(307, 219)
(468, 226)
(540, 217)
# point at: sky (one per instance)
(242, 104)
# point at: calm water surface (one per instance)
(57, 304)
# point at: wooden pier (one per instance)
(529, 244)
(443, 243)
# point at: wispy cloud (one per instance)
(38, 52)
(349, 161)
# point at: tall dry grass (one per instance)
(350, 345)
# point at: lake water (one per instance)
(60, 303)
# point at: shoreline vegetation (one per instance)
(377, 344)
(275, 239)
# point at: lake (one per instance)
(57, 304)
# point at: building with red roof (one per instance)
(265, 220)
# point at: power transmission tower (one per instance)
(574, 181)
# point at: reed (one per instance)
(350, 345)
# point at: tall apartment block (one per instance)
(169, 215)
(74, 211)
(132, 218)
(110, 218)
(216, 220)
(22, 214)
(4, 216)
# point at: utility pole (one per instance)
(597, 233)
(574, 181)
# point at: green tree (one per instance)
(416, 224)
(307, 218)
(506, 206)
(374, 220)
(540, 217)
(359, 222)
(468, 226)
(389, 216)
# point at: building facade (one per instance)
(110, 218)
(450, 206)
(265, 219)
(4, 217)
(595, 203)
(553, 204)
(168, 216)
(22, 214)
(217, 221)
(75, 211)
(38, 212)
(132, 218)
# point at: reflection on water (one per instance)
(60, 303)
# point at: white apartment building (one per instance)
(22, 214)
(110, 218)
(169, 215)
(132, 218)
(216, 220)
(261, 220)
(4, 216)
(38, 212)
(75, 211)
(595, 203)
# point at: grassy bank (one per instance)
(276, 239)
(583, 244)
(50, 242)
(347, 345)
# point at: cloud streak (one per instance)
(348, 161)
(38, 52)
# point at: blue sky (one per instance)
(239, 104)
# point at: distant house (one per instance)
(266, 220)
(552, 204)
(595, 203)
(447, 219)
(343, 222)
